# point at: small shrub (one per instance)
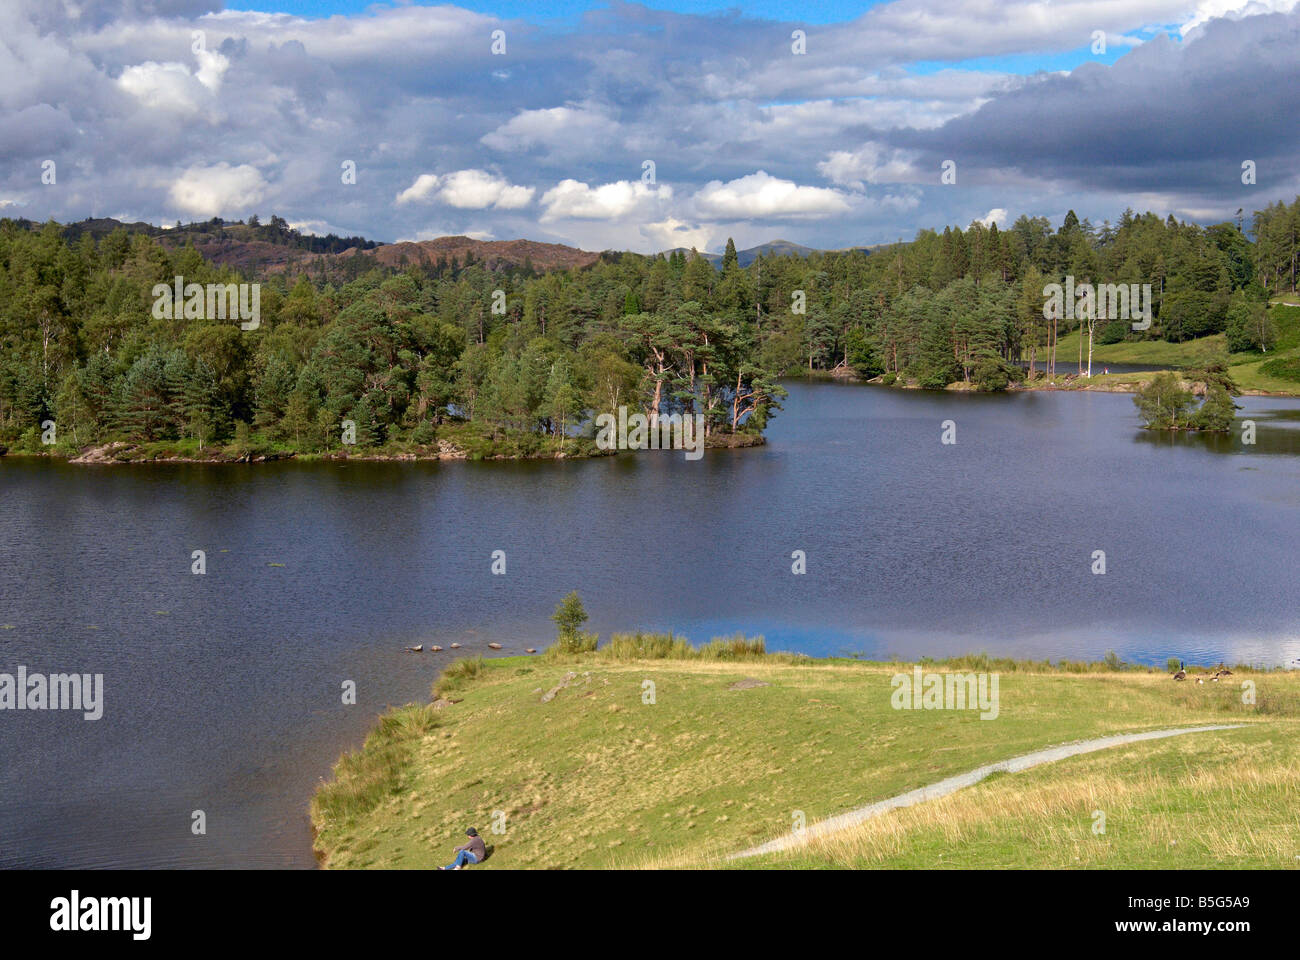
(456, 675)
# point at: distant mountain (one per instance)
(257, 248)
(773, 248)
(491, 254)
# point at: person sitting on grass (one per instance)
(467, 853)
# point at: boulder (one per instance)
(549, 695)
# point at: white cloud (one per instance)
(425, 184)
(477, 189)
(997, 215)
(468, 190)
(209, 191)
(1208, 10)
(763, 195)
(163, 86)
(670, 233)
(172, 86)
(212, 67)
(572, 199)
(870, 163)
(563, 130)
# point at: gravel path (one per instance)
(952, 784)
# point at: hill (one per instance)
(773, 248)
(257, 248)
(490, 253)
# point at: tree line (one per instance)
(402, 353)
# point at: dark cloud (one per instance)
(1167, 118)
(266, 113)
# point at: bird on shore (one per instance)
(1182, 672)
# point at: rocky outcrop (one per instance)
(550, 695)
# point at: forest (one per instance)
(524, 361)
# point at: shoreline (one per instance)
(1072, 383)
(128, 452)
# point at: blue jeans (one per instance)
(462, 859)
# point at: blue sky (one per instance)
(404, 122)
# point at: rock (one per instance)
(442, 703)
(530, 650)
(494, 646)
(455, 646)
(416, 649)
(435, 649)
(550, 694)
(749, 683)
(103, 454)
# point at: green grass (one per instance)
(1277, 371)
(599, 776)
(1224, 798)
(1191, 353)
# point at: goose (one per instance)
(1223, 671)
(1182, 672)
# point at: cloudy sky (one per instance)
(645, 126)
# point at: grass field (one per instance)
(597, 777)
(1217, 799)
(1245, 367)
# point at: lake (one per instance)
(223, 691)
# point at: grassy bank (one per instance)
(597, 776)
(1254, 372)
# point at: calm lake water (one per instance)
(223, 690)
